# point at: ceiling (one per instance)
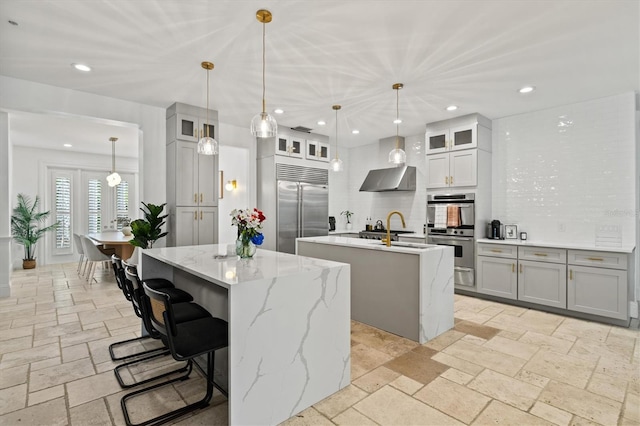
(473, 54)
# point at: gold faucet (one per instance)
(387, 241)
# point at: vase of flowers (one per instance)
(249, 223)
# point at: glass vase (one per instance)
(245, 248)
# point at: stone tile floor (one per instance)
(500, 365)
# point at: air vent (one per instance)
(302, 129)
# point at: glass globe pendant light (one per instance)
(114, 178)
(336, 165)
(397, 155)
(263, 124)
(207, 145)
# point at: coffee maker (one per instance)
(332, 223)
(495, 230)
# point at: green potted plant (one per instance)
(348, 215)
(148, 230)
(25, 227)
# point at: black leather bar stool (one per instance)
(186, 341)
(185, 311)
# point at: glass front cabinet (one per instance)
(289, 146)
(317, 150)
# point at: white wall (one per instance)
(233, 162)
(377, 205)
(562, 174)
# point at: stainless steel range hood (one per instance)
(392, 179)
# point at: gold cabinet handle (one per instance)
(200, 214)
(540, 254)
(599, 259)
(446, 180)
(451, 180)
(496, 250)
(195, 198)
(513, 267)
(195, 215)
(521, 268)
(570, 274)
(201, 197)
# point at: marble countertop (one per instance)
(398, 247)
(573, 246)
(212, 263)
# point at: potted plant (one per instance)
(25, 227)
(148, 230)
(348, 215)
(126, 225)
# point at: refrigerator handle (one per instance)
(300, 212)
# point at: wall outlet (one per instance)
(561, 227)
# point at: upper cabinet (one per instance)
(456, 149)
(317, 150)
(290, 146)
(469, 131)
(191, 128)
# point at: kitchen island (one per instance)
(405, 289)
(289, 324)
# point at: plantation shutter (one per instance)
(94, 205)
(63, 212)
(122, 202)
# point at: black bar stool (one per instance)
(186, 341)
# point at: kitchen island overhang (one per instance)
(405, 289)
(289, 324)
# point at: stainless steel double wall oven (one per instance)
(460, 235)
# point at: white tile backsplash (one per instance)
(564, 174)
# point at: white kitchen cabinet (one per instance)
(196, 176)
(595, 289)
(189, 127)
(192, 179)
(290, 146)
(452, 139)
(543, 283)
(317, 150)
(496, 275)
(452, 169)
(196, 225)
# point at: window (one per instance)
(62, 212)
(94, 205)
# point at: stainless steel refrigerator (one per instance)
(302, 211)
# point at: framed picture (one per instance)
(511, 231)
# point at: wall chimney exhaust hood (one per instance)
(391, 179)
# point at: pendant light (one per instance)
(263, 124)
(397, 155)
(114, 178)
(207, 145)
(336, 164)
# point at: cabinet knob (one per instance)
(200, 214)
(451, 180)
(496, 250)
(521, 268)
(599, 259)
(446, 180)
(513, 267)
(201, 197)
(570, 274)
(195, 215)
(540, 254)
(195, 198)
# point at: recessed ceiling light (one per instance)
(321, 123)
(14, 23)
(397, 121)
(81, 67)
(527, 89)
(355, 131)
(452, 108)
(278, 110)
(67, 145)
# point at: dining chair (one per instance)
(94, 256)
(81, 261)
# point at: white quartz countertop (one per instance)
(211, 263)
(361, 243)
(572, 246)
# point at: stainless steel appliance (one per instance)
(380, 234)
(302, 210)
(460, 237)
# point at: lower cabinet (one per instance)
(497, 277)
(597, 290)
(584, 281)
(196, 226)
(543, 283)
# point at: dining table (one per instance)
(114, 241)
